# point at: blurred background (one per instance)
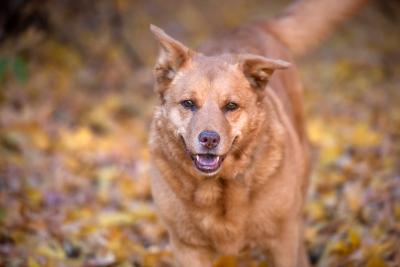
(75, 105)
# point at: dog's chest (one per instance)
(223, 223)
(236, 221)
(224, 234)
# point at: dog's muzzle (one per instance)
(207, 163)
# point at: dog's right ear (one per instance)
(172, 56)
(258, 69)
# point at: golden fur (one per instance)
(255, 198)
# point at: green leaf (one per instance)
(3, 68)
(3, 214)
(20, 69)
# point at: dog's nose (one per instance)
(209, 139)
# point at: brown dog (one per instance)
(229, 151)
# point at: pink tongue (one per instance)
(207, 160)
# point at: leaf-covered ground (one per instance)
(75, 107)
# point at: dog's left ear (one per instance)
(258, 69)
(172, 56)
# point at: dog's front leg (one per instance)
(189, 256)
(287, 250)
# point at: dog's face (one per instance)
(212, 102)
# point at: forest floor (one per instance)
(74, 120)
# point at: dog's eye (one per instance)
(231, 106)
(189, 104)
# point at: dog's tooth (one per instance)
(197, 158)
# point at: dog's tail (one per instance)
(306, 22)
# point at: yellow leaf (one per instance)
(316, 210)
(339, 247)
(397, 211)
(319, 133)
(311, 234)
(115, 218)
(225, 261)
(376, 262)
(354, 239)
(88, 229)
(35, 196)
(40, 139)
(152, 258)
(33, 263)
(54, 252)
(81, 214)
(127, 187)
(108, 173)
(125, 217)
(144, 211)
(326, 138)
(79, 139)
(362, 135)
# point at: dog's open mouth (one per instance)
(207, 163)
